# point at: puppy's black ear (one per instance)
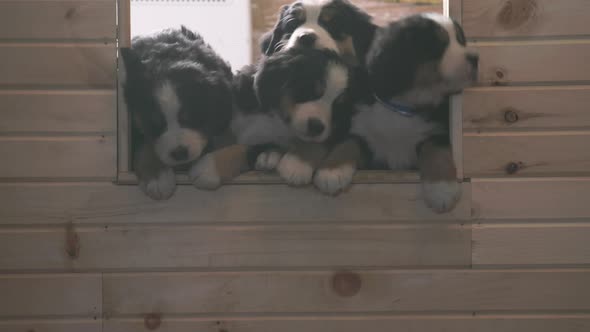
(269, 40)
(271, 81)
(265, 41)
(134, 69)
(243, 88)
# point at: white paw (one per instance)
(203, 174)
(441, 196)
(334, 180)
(268, 161)
(294, 170)
(160, 188)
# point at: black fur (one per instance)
(178, 92)
(347, 20)
(300, 76)
(398, 51)
(202, 81)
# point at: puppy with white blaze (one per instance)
(292, 102)
(337, 25)
(178, 92)
(413, 66)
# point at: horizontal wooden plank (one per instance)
(58, 111)
(455, 323)
(170, 247)
(531, 244)
(527, 62)
(46, 157)
(50, 295)
(515, 108)
(531, 198)
(88, 19)
(523, 154)
(80, 65)
(371, 291)
(74, 325)
(524, 18)
(43, 203)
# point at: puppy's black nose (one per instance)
(473, 59)
(180, 153)
(307, 39)
(315, 127)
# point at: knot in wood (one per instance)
(510, 116)
(346, 284)
(152, 321)
(513, 167)
(515, 13)
(70, 13)
(72, 242)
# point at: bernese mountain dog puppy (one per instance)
(305, 89)
(178, 92)
(289, 109)
(333, 25)
(337, 25)
(413, 66)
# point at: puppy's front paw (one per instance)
(441, 196)
(204, 175)
(268, 160)
(334, 180)
(161, 187)
(295, 171)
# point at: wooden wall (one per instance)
(79, 253)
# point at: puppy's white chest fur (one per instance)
(260, 128)
(391, 136)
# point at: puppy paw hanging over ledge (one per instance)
(178, 92)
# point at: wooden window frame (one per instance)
(125, 174)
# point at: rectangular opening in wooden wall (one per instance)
(260, 17)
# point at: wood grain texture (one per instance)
(50, 295)
(58, 20)
(75, 65)
(380, 291)
(454, 9)
(526, 154)
(539, 198)
(58, 157)
(525, 18)
(536, 108)
(50, 203)
(516, 244)
(185, 247)
(455, 323)
(34, 111)
(73, 325)
(504, 63)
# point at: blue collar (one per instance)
(403, 109)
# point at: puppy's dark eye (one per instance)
(183, 116)
(157, 122)
(319, 89)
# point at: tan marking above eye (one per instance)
(286, 105)
(346, 49)
(327, 15)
